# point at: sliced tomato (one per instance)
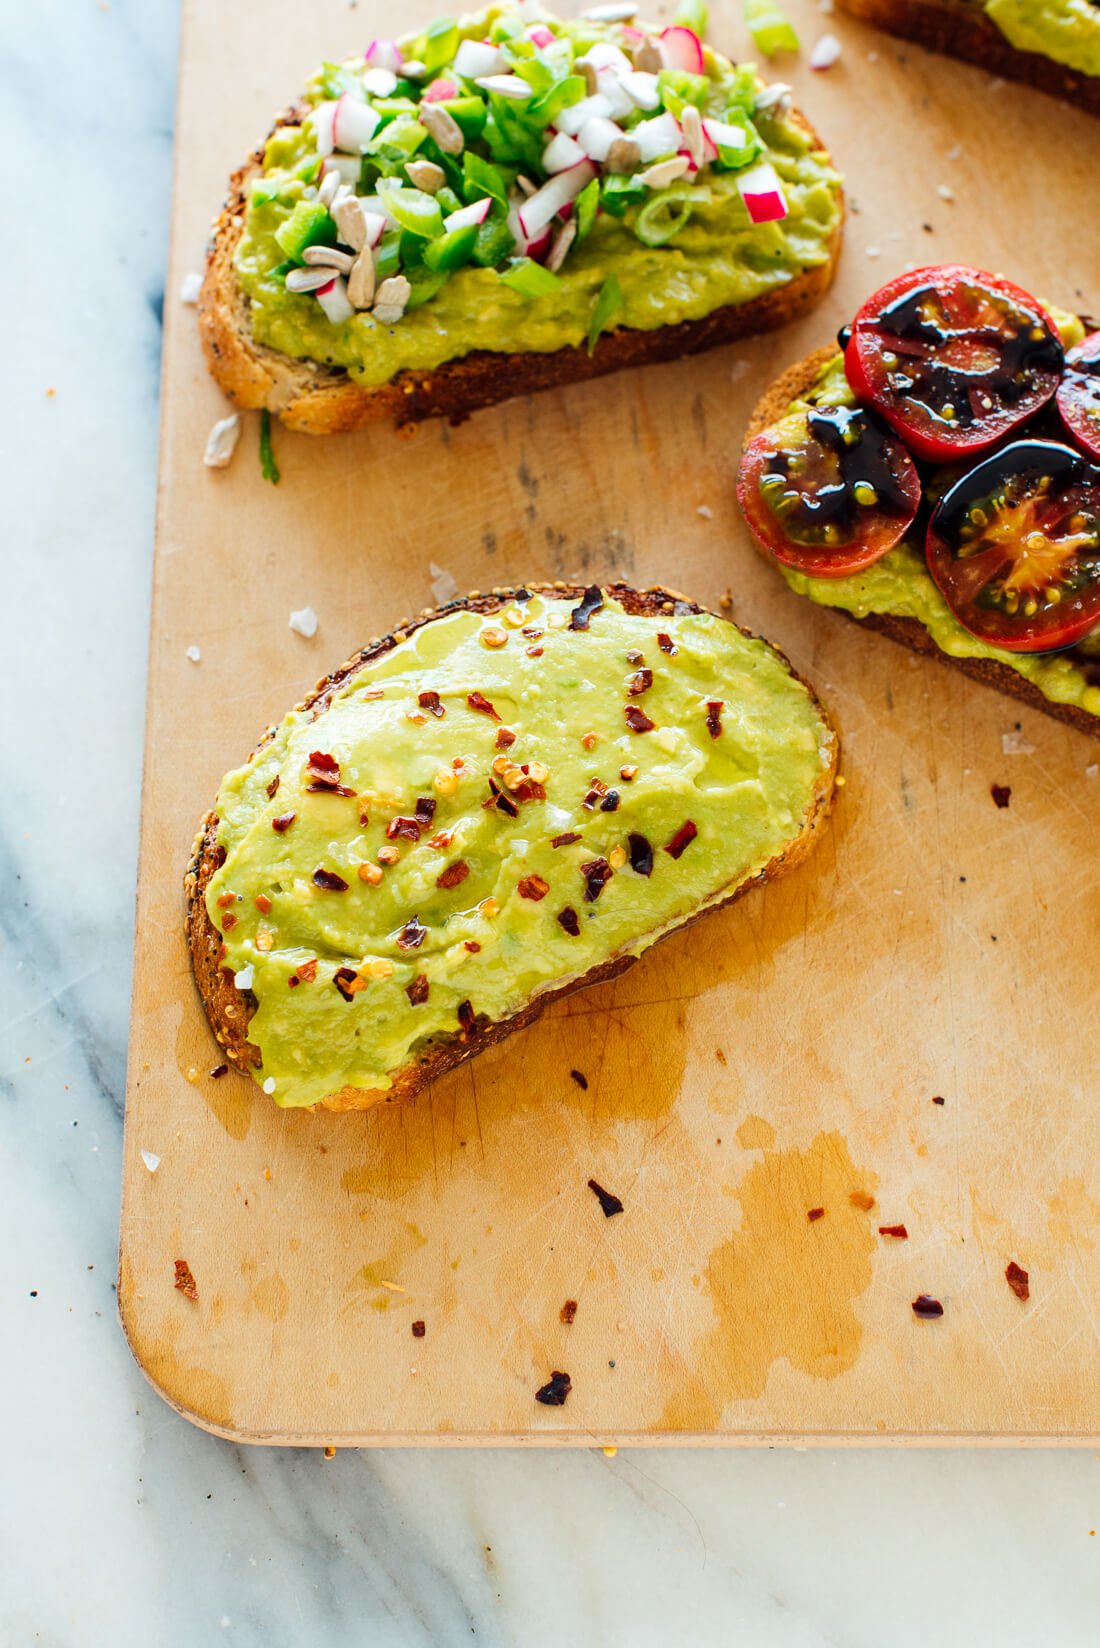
(828, 491)
(1015, 547)
(953, 358)
(1079, 394)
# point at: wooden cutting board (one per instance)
(790, 1053)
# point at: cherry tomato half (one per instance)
(1079, 394)
(1015, 547)
(828, 491)
(953, 358)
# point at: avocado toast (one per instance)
(505, 204)
(505, 800)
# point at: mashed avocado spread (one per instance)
(1066, 30)
(677, 248)
(900, 584)
(490, 809)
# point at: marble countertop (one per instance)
(119, 1522)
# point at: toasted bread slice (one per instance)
(964, 31)
(321, 400)
(796, 382)
(229, 1009)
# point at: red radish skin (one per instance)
(682, 48)
(440, 91)
(384, 54)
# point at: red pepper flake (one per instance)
(441, 841)
(418, 1330)
(568, 1312)
(635, 658)
(329, 881)
(568, 919)
(899, 1232)
(323, 772)
(263, 903)
(534, 888)
(403, 828)
(639, 682)
(715, 707)
(566, 839)
(272, 788)
(505, 738)
(683, 838)
(637, 719)
(283, 822)
(924, 1305)
(454, 875)
(1017, 1279)
(417, 991)
(597, 872)
(473, 946)
(591, 601)
(535, 652)
(815, 1213)
(610, 802)
(307, 972)
(348, 982)
(425, 810)
(478, 701)
(939, 1099)
(861, 1199)
(1001, 793)
(184, 1280)
(581, 1079)
(219, 1071)
(225, 900)
(641, 854)
(554, 1392)
(293, 982)
(228, 921)
(412, 935)
(430, 701)
(466, 1017)
(610, 1204)
(666, 643)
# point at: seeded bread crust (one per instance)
(321, 400)
(910, 632)
(229, 1009)
(960, 30)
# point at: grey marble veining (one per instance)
(121, 1525)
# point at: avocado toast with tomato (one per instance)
(506, 203)
(936, 476)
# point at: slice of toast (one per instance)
(796, 382)
(322, 400)
(964, 31)
(229, 1008)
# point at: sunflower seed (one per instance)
(390, 299)
(623, 156)
(221, 442)
(361, 280)
(665, 172)
(329, 185)
(564, 238)
(351, 221)
(441, 124)
(328, 257)
(692, 122)
(426, 175)
(610, 14)
(308, 280)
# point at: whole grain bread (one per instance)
(960, 30)
(795, 382)
(229, 1009)
(323, 400)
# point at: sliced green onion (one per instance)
(469, 115)
(440, 44)
(483, 178)
(413, 210)
(269, 469)
(678, 88)
(403, 136)
(495, 242)
(732, 157)
(309, 224)
(526, 276)
(387, 259)
(661, 219)
(425, 284)
(585, 207)
(743, 92)
(771, 30)
(452, 249)
(609, 304)
(694, 15)
(561, 95)
(618, 192)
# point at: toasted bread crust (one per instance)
(959, 30)
(229, 1009)
(910, 632)
(322, 400)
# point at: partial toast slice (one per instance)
(964, 31)
(796, 382)
(230, 1008)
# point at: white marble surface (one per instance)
(119, 1523)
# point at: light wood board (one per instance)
(775, 1058)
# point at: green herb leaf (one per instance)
(269, 469)
(609, 304)
(771, 30)
(530, 278)
(585, 207)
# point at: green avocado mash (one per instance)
(901, 585)
(482, 911)
(1066, 30)
(716, 257)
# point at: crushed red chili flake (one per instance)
(228, 921)
(939, 1099)
(441, 841)
(412, 935)
(641, 854)
(219, 1071)
(323, 772)
(568, 919)
(1017, 1279)
(425, 810)
(478, 701)
(184, 1281)
(815, 1213)
(580, 1078)
(417, 991)
(715, 707)
(610, 802)
(454, 875)
(554, 1392)
(534, 888)
(430, 701)
(639, 682)
(568, 1312)
(272, 788)
(293, 982)
(403, 828)
(530, 790)
(418, 1330)
(344, 978)
(225, 900)
(503, 803)
(263, 903)
(609, 1203)
(283, 822)
(505, 738)
(861, 1199)
(329, 881)
(473, 946)
(307, 972)
(467, 1017)
(924, 1305)
(535, 652)
(666, 643)
(899, 1232)
(635, 658)
(637, 719)
(566, 839)
(1001, 793)
(591, 601)
(683, 838)
(597, 872)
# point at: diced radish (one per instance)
(642, 89)
(762, 193)
(347, 167)
(633, 35)
(440, 91)
(657, 137)
(572, 119)
(560, 153)
(468, 217)
(384, 54)
(534, 248)
(376, 222)
(335, 302)
(610, 84)
(596, 137)
(322, 118)
(682, 49)
(475, 58)
(720, 135)
(354, 124)
(380, 82)
(603, 55)
(690, 162)
(542, 207)
(539, 35)
(507, 85)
